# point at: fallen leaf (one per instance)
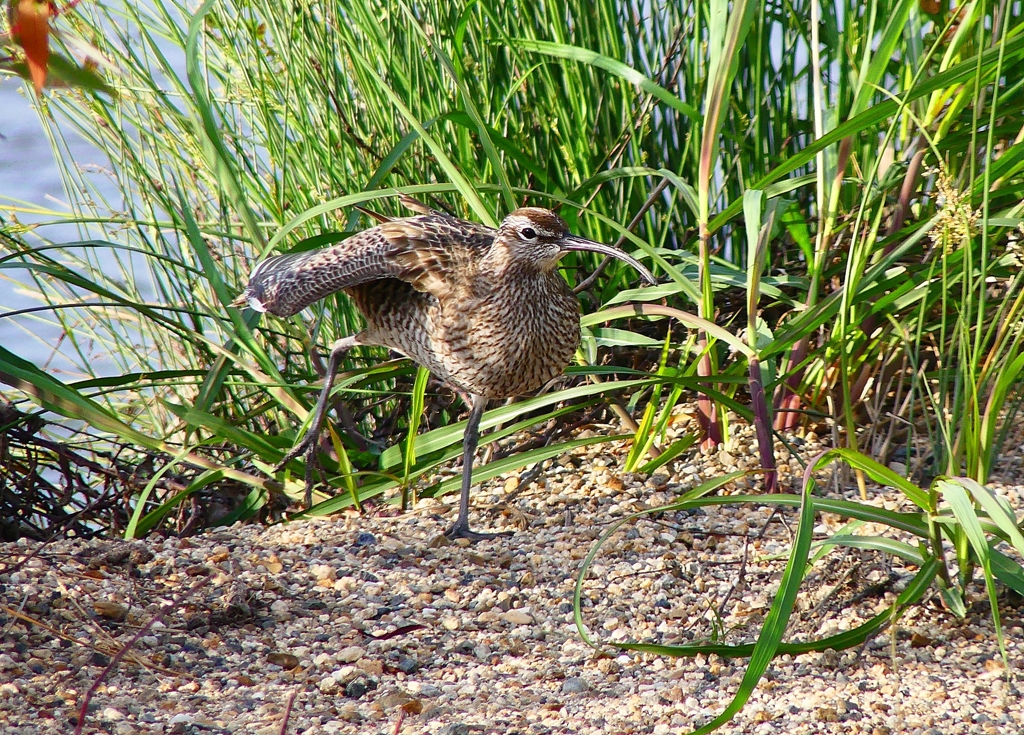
(112, 610)
(919, 640)
(413, 707)
(284, 660)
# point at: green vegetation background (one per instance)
(830, 194)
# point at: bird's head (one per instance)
(540, 237)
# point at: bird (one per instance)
(484, 310)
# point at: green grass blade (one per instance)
(914, 591)
(774, 628)
(1007, 570)
(209, 129)
(419, 390)
(998, 510)
(959, 500)
(877, 472)
(627, 73)
(53, 395)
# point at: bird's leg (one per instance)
(492, 446)
(460, 529)
(310, 440)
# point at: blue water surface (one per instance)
(29, 174)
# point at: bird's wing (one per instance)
(418, 250)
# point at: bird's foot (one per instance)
(462, 530)
(308, 446)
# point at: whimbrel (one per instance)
(484, 310)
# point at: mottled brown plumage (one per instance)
(484, 310)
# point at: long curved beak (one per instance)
(572, 242)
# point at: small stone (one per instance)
(408, 666)
(140, 554)
(348, 713)
(351, 654)
(111, 714)
(365, 539)
(370, 666)
(827, 714)
(356, 688)
(345, 674)
(574, 685)
(450, 623)
(395, 699)
(427, 690)
(517, 617)
(323, 572)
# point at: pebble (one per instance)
(357, 688)
(574, 685)
(371, 625)
(450, 623)
(350, 654)
(365, 539)
(517, 617)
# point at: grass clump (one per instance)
(833, 206)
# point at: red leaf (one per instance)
(32, 24)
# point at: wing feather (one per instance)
(419, 250)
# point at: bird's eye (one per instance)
(528, 233)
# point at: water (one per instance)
(27, 168)
(29, 174)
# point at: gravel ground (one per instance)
(376, 625)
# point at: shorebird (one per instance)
(484, 310)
